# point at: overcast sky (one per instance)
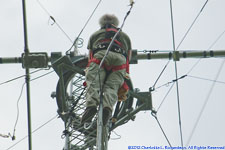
(149, 27)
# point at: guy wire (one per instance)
(77, 38)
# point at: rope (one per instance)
(206, 79)
(205, 103)
(78, 37)
(165, 97)
(192, 24)
(217, 39)
(167, 84)
(153, 87)
(154, 114)
(196, 63)
(54, 21)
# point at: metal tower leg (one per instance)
(102, 131)
(105, 137)
(99, 140)
(67, 139)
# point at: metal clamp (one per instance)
(35, 60)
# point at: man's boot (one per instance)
(107, 114)
(89, 113)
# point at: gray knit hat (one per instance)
(108, 19)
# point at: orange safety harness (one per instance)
(112, 68)
(117, 47)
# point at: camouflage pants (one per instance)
(114, 80)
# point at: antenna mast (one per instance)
(26, 51)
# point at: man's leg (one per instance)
(113, 83)
(93, 89)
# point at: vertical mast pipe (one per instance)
(26, 50)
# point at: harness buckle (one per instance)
(117, 50)
(101, 46)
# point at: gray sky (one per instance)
(149, 27)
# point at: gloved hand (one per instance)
(122, 92)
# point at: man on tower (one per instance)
(113, 71)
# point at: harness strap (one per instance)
(109, 68)
(127, 66)
(111, 29)
(117, 45)
(125, 86)
(109, 40)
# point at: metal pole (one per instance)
(67, 140)
(10, 60)
(26, 50)
(182, 54)
(143, 56)
(128, 116)
(28, 109)
(99, 122)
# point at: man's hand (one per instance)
(122, 92)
